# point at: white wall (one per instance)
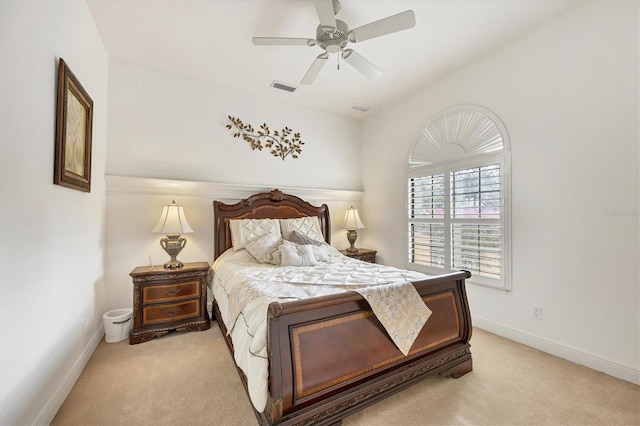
(51, 237)
(568, 95)
(165, 126)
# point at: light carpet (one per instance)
(189, 379)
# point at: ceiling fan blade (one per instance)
(326, 14)
(388, 25)
(361, 64)
(283, 41)
(315, 68)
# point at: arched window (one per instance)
(459, 196)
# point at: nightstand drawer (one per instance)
(170, 292)
(170, 312)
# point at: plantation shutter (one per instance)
(426, 226)
(458, 186)
(476, 236)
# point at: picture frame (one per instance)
(74, 123)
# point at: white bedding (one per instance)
(243, 289)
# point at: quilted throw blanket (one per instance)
(389, 292)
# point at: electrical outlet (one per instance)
(536, 312)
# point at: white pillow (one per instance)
(320, 253)
(247, 230)
(262, 248)
(309, 226)
(292, 254)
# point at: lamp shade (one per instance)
(352, 219)
(172, 221)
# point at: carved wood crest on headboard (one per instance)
(267, 205)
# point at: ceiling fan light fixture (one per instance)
(333, 35)
(332, 46)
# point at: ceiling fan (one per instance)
(333, 35)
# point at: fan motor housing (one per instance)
(335, 40)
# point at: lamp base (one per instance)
(173, 264)
(352, 236)
(173, 245)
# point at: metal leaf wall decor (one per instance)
(280, 143)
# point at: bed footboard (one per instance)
(330, 356)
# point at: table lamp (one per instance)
(173, 223)
(351, 223)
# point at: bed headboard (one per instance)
(268, 205)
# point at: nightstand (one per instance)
(169, 299)
(366, 255)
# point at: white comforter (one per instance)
(243, 289)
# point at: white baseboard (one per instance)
(595, 362)
(55, 402)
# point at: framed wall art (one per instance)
(74, 122)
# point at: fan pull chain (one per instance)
(338, 55)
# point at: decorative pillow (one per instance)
(262, 248)
(298, 238)
(247, 230)
(320, 252)
(308, 226)
(292, 254)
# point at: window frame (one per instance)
(502, 158)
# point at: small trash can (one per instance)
(117, 324)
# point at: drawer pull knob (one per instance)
(174, 292)
(172, 313)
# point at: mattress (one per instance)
(243, 289)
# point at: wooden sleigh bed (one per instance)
(304, 387)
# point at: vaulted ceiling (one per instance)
(210, 40)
